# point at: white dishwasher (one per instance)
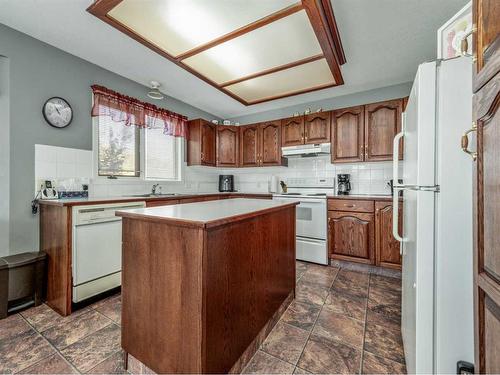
(97, 248)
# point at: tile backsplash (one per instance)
(70, 168)
(366, 178)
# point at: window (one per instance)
(118, 149)
(134, 138)
(122, 150)
(161, 156)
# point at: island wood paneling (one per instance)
(250, 272)
(162, 295)
(214, 289)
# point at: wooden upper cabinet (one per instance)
(249, 145)
(486, 40)
(201, 143)
(382, 123)
(292, 131)
(347, 135)
(317, 127)
(270, 144)
(208, 132)
(386, 246)
(227, 146)
(352, 236)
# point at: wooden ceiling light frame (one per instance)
(319, 12)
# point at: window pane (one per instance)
(161, 155)
(118, 149)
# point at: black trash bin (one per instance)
(22, 281)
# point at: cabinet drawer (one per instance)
(351, 205)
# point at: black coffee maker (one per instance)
(343, 184)
(226, 182)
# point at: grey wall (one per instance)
(365, 97)
(37, 72)
(4, 156)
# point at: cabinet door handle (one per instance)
(465, 142)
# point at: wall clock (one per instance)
(57, 112)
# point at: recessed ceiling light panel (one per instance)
(252, 50)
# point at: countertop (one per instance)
(207, 214)
(103, 200)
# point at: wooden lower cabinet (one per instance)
(352, 236)
(386, 247)
(361, 231)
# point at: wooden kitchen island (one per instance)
(204, 283)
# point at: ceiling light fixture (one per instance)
(155, 92)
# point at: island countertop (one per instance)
(207, 214)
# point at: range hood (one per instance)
(304, 151)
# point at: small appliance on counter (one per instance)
(226, 183)
(343, 184)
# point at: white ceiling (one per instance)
(384, 41)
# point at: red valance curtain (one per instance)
(131, 111)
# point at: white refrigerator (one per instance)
(436, 243)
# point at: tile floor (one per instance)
(342, 321)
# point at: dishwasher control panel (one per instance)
(101, 213)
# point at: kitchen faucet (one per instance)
(154, 188)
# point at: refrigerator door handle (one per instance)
(395, 195)
(395, 218)
(395, 156)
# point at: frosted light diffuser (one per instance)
(286, 40)
(176, 26)
(252, 50)
(302, 77)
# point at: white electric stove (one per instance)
(311, 216)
